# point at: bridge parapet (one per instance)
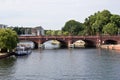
(69, 39)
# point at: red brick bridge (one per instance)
(90, 41)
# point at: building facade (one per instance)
(3, 26)
(38, 31)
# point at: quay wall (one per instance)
(111, 47)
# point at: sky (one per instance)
(51, 14)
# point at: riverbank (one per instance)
(5, 55)
(111, 47)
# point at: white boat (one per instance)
(22, 50)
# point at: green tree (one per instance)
(48, 32)
(65, 33)
(110, 29)
(95, 23)
(21, 30)
(116, 20)
(59, 32)
(73, 27)
(53, 32)
(8, 39)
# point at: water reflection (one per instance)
(63, 64)
(8, 62)
(7, 68)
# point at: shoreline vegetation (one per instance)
(5, 55)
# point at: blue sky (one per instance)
(51, 14)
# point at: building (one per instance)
(38, 31)
(3, 26)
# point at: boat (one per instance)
(23, 50)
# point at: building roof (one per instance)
(39, 27)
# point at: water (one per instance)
(63, 64)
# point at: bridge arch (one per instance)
(88, 43)
(79, 43)
(63, 44)
(34, 45)
(109, 41)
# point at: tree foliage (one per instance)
(73, 27)
(53, 32)
(95, 23)
(110, 29)
(8, 39)
(19, 30)
(22, 30)
(116, 20)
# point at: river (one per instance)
(62, 64)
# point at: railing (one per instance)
(69, 36)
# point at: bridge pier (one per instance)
(70, 45)
(40, 45)
(118, 42)
(98, 43)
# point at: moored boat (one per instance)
(22, 50)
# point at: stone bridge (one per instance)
(66, 41)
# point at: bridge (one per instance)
(66, 41)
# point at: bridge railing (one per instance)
(103, 36)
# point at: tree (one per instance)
(22, 30)
(110, 29)
(116, 20)
(53, 32)
(8, 39)
(95, 23)
(59, 32)
(73, 27)
(48, 32)
(65, 33)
